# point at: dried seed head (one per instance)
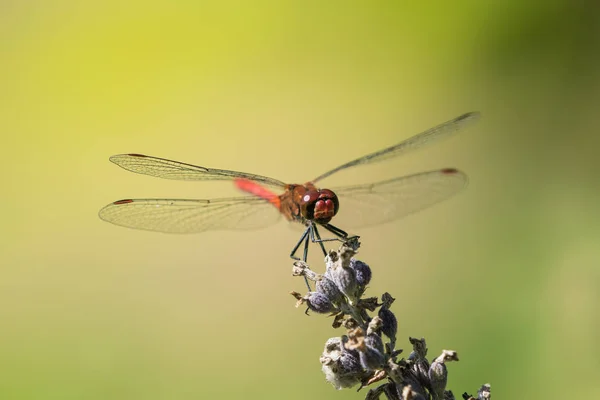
(447, 355)
(419, 348)
(331, 259)
(389, 326)
(320, 303)
(484, 392)
(329, 289)
(420, 365)
(374, 340)
(298, 268)
(301, 268)
(438, 373)
(350, 362)
(346, 252)
(342, 276)
(371, 358)
(374, 325)
(341, 367)
(438, 378)
(362, 272)
(387, 300)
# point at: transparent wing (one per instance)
(169, 169)
(377, 203)
(436, 133)
(191, 216)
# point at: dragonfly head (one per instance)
(319, 205)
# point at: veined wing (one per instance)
(191, 216)
(433, 134)
(377, 203)
(169, 169)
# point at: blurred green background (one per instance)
(506, 273)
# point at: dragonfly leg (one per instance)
(342, 236)
(297, 246)
(316, 238)
(303, 239)
(307, 237)
(336, 231)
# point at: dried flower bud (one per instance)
(298, 268)
(350, 362)
(320, 303)
(374, 325)
(371, 358)
(341, 367)
(484, 392)
(419, 349)
(390, 324)
(362, 272)
(438, 373)
(343, 277)
(420, 365)
(346, 252)
(374, 340)
(329, 289)
(301, 268)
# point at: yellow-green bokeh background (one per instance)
(506, 273)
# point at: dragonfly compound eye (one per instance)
(319, 205)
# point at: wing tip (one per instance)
(119, 202)
(118, 157)
(106, 209)
(449, 171)
(472, 115)
(455, 173)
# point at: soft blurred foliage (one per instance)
(505, 273)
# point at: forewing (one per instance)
(431, 135)
(377, 203)
(169, 169)
(191, 216)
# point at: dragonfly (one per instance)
(355, 206)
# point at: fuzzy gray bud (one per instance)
(438, 373)
(390, 323)
(350, 361)
(484, 392)
(362, 272)
(374, 340)
(420, 365)
(343, 276)
(320, 303)
(371, 358)
(327, 287)
(341, 366)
